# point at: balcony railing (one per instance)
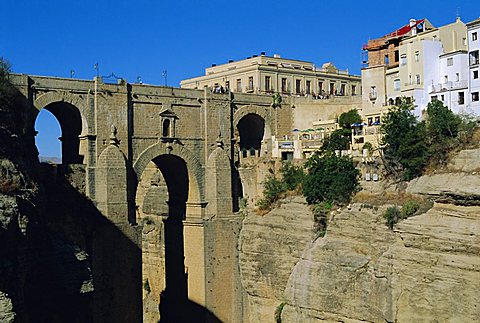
(448, 86)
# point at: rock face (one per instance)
(270, 246)
(457, 184)
(428, 268)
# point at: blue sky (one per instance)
(143, 38)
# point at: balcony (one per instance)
(448, 86)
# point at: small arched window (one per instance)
(166, 128)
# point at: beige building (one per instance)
(407, 63)
(266, 74)
(417, 61)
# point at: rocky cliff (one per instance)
(44, 277)
(426, 270)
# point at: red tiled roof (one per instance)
(403, 30)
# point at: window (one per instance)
(377, 120)
(457, 77)
(396, 85)
(370, 121)
(474, 58)
(250, 83)
(410, 79)
(442, 97)
(461, 98)
(354, 90)
(308, 86)
(475, 97)
(166, 128)
(417, 56)
(284, 85)
(403, 59)
(320, 87)
(445, 79)
(298, 84)
(474, 36)
(396, 56)
(267, 83)
(475, 74)
(433, 98)
(227, 85)
(386, 59)
(450, 61)
(417, 78)
(373, 92)
(332, 88)
(342, 89)
(239, 85)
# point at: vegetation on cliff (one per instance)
(341, 138)
(410, 145)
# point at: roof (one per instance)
(400, 32)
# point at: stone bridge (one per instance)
(161, 164)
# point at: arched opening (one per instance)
(70, 120)
(251, 130)
(47, 139)
(166, 128)
(162, 195)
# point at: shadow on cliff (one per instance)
(85, 267)
(174, 303)
(185, 311)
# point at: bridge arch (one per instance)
(262, 111)
(253, 127)
(68, 110)
(194, 168)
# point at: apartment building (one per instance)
(262, 74)
(473, 34)
(417, 61)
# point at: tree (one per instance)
(442, 123)
(330, 178)
(442, 128)
(404, 140)
(346, 119)
(338, 140)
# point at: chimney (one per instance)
(213, 65)
(276, 55)
(262, 54)
(230, 60)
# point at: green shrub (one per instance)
(278, 312)
(409, 208)
(330, 178)
(273, 189)
(368, 146)
(346, 119)
(146, 286)
(337, 140)
(404, 141)
(392, 215)
(320, 218)
(292, 176)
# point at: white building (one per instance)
(473, 34)
(452, 81)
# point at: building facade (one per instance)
(419, 62)
(473, 65)
(263, 74)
